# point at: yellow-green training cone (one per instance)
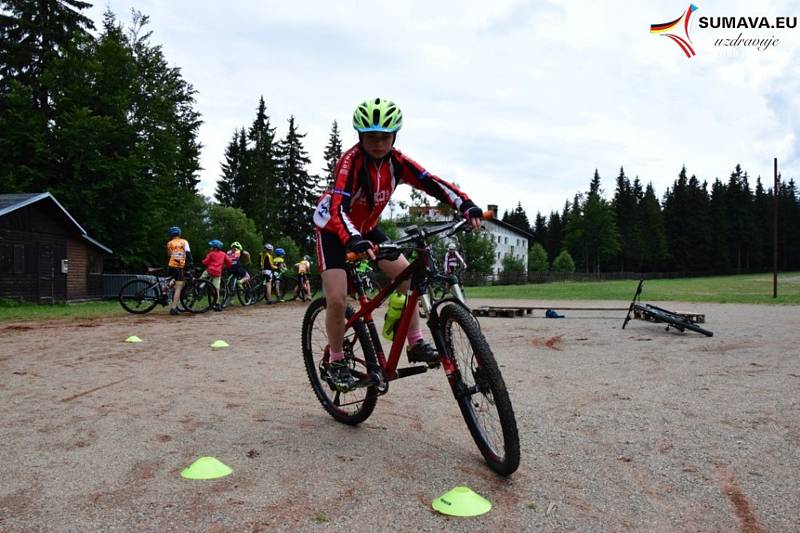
(133, 338)
(219, 344)
(206, 468)
(461, 501)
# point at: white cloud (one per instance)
(514, 100)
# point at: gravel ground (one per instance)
(635, 429)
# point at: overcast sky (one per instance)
(513, 100)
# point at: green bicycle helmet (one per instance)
(236, 245)
(377, 114)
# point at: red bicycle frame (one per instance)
(367, 306)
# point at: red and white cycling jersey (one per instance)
(451, 261)
(363, 186)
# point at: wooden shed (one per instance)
(45, 255)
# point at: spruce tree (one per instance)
(333, 151)
(718, 226)
(517, 218)
(295, 188)
(227, 192)
(627, 217)
(741, 226)
(654, 243)
(258, 185)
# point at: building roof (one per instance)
(12, 202)
(511, 227)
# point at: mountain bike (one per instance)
(471, 369)
(141, 295)
(281, 286)
(229, 286)
(658, 314)
(299, 291)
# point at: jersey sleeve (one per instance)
(415, 175)
(341, 195)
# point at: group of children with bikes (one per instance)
(222, 265)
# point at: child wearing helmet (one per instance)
(452, 258)
(347, 214)
(215, 262)
(237, 263)
(303, 269)
(266, 264)
(180, 256)
(279, 261)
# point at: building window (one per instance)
(6, 258)
(506, 241)
(498, 256)
(19, 259)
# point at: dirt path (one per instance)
(637, 429)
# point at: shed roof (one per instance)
(12, 202)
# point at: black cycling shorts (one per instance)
(237, 270)
(331, 252)
(176, 273)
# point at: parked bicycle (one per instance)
(229, 287)
(471, 369)
(658, 314)
(142, 295)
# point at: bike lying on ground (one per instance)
(465, 356)
(141, 295)
(657, 314)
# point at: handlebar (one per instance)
(385, 250)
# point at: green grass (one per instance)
(747, 288)
(11, 310)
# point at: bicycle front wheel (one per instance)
(480, 391)
(244, 293)
(139, 296)
(352, 407)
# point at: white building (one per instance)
(508, 240)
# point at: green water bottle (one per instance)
(397, 302)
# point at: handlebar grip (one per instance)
(488, 215)
(352, 257)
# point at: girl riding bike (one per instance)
(347, 215)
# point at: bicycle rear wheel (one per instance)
(198, 295)
(257, 283)
(480, 391)
(352, 407)
(139, 296)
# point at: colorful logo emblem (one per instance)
(672, 30)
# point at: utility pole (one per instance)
(775, 233)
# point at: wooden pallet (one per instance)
(502, 312)
(697, 318)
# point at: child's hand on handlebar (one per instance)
(361, 246)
